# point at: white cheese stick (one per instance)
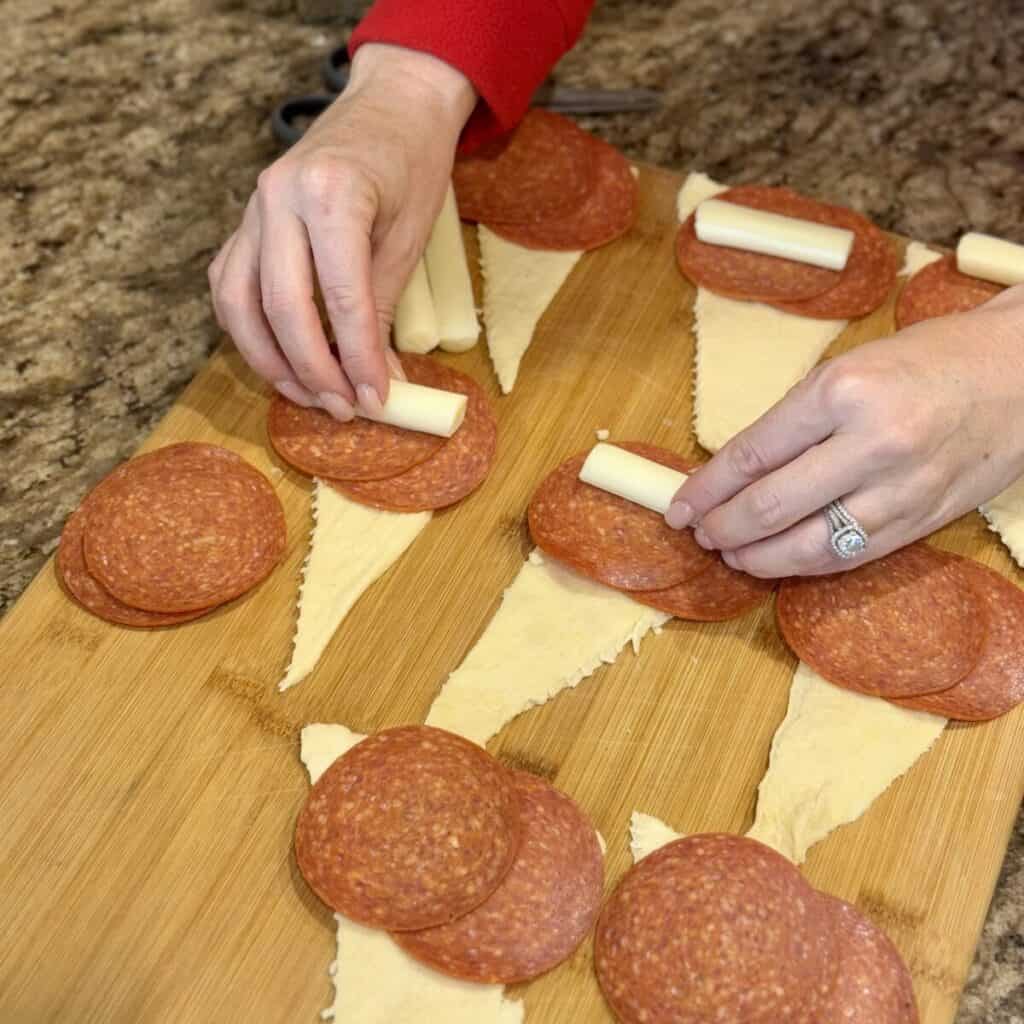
(991, 259)
(416, 327)
(631, 477)
(415, 407)
(457, 325)
(719, 222)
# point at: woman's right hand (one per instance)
(349, 208)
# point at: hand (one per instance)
(348, 208)
(910, 432)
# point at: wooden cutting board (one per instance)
(149, 781)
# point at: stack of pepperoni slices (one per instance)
(923, 628)
(793, 287)
(630, 548)
(171, 535)
(718, 927)
(480, 872)
(387, 467)
(548, 185)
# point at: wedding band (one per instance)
(847, 537)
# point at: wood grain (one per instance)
(149, 781)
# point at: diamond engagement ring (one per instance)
(847, 537)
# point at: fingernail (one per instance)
(730, 559)
(336, 406)
(294, 393)
(702, 538)
(679, 514)
(369, 400)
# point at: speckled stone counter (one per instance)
(131, 135)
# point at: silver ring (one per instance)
(847, 537)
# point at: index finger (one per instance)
(786, 430)
(342, 254)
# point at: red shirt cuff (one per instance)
(505, 49)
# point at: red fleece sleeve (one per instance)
(506, 48)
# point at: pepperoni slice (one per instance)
(83, 587)
(740, 274)
(314, 442)
(866, 280)
(906, 624)
(454, 471)
(716, 927)
(996, 683)
(714, 595)
(794, 287)
(873, 985)
(939, 289)
(608, 212)
(608, 538)
(411, 828)
(542, 910)
(183, 528)
(543, 169)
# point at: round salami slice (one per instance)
(411, 828)
(866, 280)
(315, 442)
(184, 528)
(906, 624)
(541, 170)
(996, 683)
(543, 909)
(714, 595)
(873, 985)
(83, 587)
(939, 289)
(716, 928)
(608, 212)
(608, 538)
(794, 287)
(453, 472)
(740, 274)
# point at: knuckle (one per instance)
(766, 507)
(744, 458)
(846, 388)
(318, 176)
(270, 181)
(277, 304)
(340, 298)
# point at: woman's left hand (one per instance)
(909, 431)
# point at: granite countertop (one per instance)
(131, 136)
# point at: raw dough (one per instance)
(833, 754)
(748, 354)
(917, 257)
(647, 834)
(350, 547)
(519, 284)
(1005, 515)
(553, 628)
(375, 982)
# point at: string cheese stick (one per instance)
(415, 327)
(448, 271)
(719, 222)
(415, 407)
(990, 258)
(631, 477)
